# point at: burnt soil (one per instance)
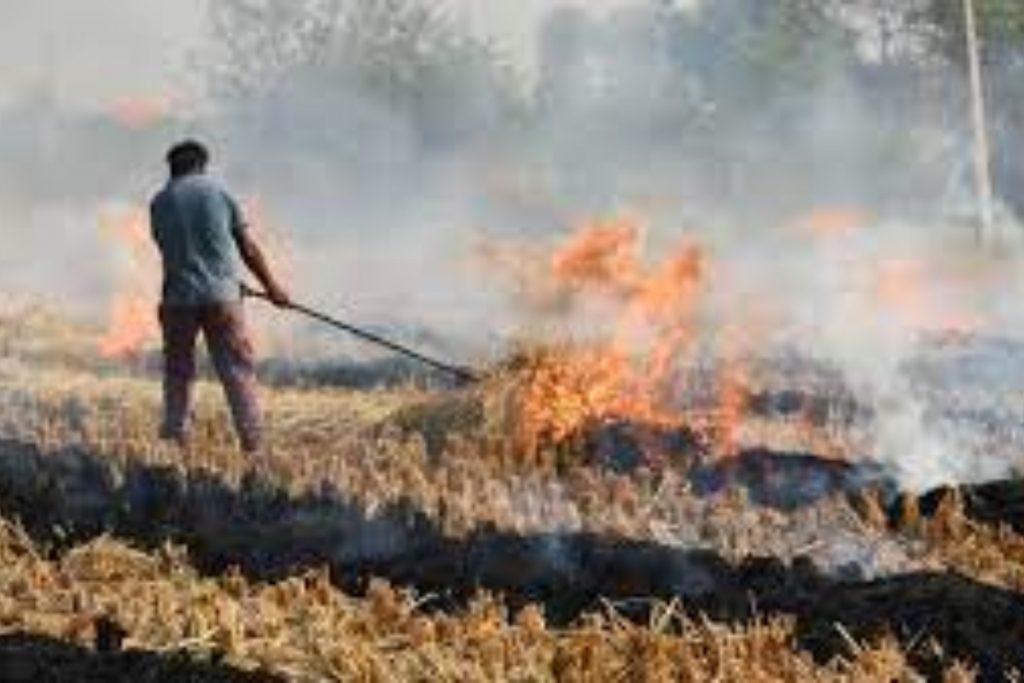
(30, 658)
(70, 496)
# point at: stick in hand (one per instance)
(461, 373)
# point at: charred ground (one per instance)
(418, 488)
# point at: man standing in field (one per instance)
(201, 233)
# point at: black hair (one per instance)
(187, 157)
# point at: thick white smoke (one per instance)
(384, 142)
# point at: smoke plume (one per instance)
(381, 147)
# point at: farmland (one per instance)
(729, 378)
(398, 534)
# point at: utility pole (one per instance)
(982, 149)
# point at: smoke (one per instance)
(385, 142)
(873, 304)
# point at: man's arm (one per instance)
(256, 262)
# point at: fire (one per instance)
(132, 323)
(681, 341)
(638, 369)
(923, 295)
(910, 284)
(129, 328)
(571, 387)
(732, 395)
(833, 221)
(604, 256)
(140, 111)
(901, 287)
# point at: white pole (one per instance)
(982, 150)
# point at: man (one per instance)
(201, 232)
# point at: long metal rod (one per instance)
(982, 148)
(463, 374)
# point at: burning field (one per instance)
(736, 283)
(681, 477)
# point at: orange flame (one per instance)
(132, 322)
(602, 257)
(139, 112)
(922, 295)
(732, 395)
(833, 221)
(634, 373)
(659, 317)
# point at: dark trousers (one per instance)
(230, 348)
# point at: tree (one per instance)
(406, 55)
(1000, 23)
(1001, 36)
(254, 43)
(752, 56)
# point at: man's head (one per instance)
(187, 157)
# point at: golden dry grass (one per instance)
(304, 629)
(349, 439)
(371, 445)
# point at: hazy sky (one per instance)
(96, 51)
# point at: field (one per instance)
(406, 533)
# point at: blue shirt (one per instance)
(195, 223)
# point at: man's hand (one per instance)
(253, 257)
(279, 297)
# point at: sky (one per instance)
(93, 52)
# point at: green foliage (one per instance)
(1000, 25)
